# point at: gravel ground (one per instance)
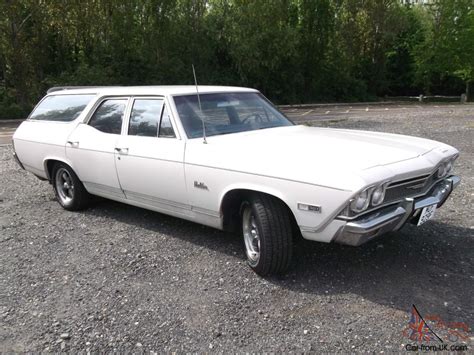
(121, 278)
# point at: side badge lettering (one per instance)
(200, 185)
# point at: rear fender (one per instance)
(54, 158)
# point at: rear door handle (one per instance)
(122, 150)
(73, 144)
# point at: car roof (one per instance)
(146, 90)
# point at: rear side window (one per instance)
(108, 116)
(62, 108)
(145, 117)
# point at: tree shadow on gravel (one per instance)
(430, 266)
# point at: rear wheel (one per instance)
(267, 232)
(70, 191)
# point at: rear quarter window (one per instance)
(61, 108)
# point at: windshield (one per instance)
(225, 113)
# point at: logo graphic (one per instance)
(431, 333)
(418, 329)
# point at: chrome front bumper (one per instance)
(392, 218)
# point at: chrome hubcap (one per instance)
(64, 186)
(251, 236)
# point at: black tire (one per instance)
(274, 232)
(76, 198)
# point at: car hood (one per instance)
(320, 156)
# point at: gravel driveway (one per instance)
(121, 278)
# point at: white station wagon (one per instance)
(225, 157)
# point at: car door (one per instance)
(91, 148)
(150, 158)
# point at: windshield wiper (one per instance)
(269, 127)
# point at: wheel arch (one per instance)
(232, 198)
(49, 162)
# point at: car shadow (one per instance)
(227, 243)
(430, 266)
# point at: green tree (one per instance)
(292, 50)
(315, 34)
(448, 47)
(261, 39)
(401, 63)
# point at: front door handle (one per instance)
(122, 150)
(73, 144)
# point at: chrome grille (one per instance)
(410, 187)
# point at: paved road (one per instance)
(344, 111)
(7, 128)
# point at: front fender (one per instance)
(330, 201)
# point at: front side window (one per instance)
(108, 117)
(145, 117)
(61, 108)
(225, 113)
(166, 129)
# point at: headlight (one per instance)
(378, 195)
(360, 202)
(446, 167)
(451, 163)
(442, 170)
(449, 166)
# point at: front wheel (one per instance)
(70, 191)
(267, 232)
